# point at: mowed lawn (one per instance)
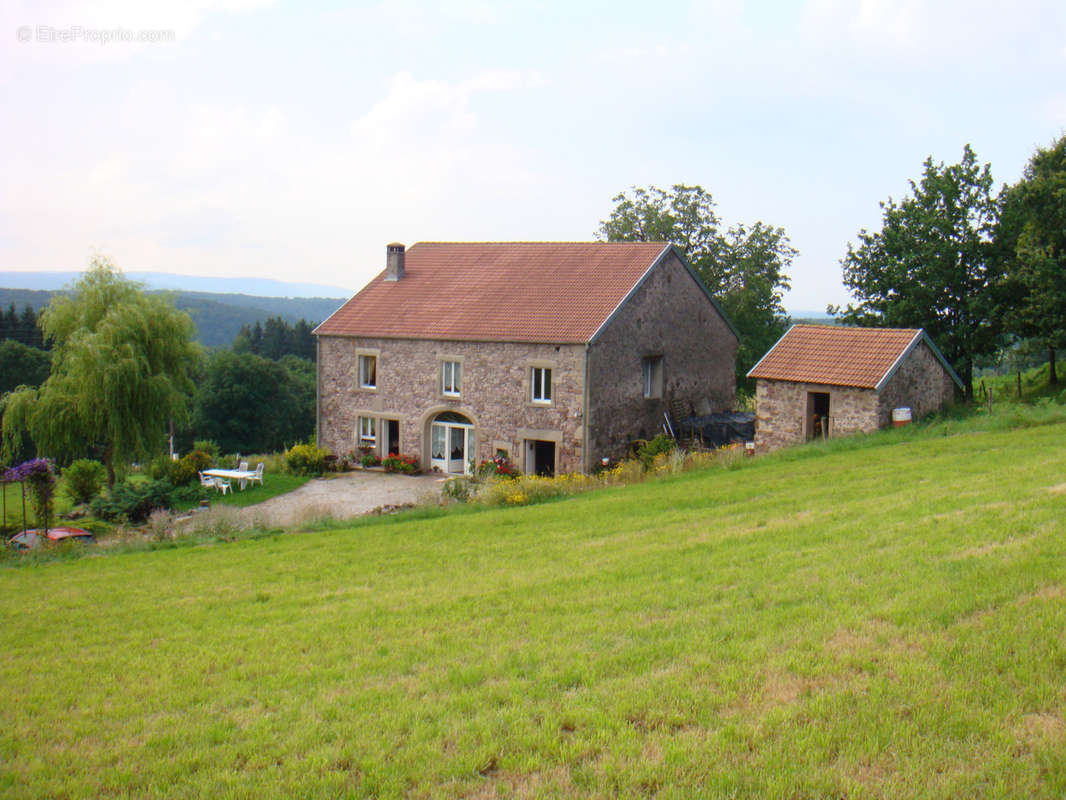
(888, 621)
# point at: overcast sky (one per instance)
(295, 140)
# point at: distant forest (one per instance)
(219, 318)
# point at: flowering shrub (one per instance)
(525, 489)
(400, 463)
(306, 459)
(500, 466)
(39, 474)
(188, 468)
(369, 460)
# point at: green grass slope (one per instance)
(885, 621)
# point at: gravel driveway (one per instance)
(343, 496)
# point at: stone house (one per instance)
(555, 355)
(831, 380)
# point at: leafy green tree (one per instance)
(21, 365)
(744, 267)
(1032, 239)
(247, 403)
(276, 339)
(932, 264)
(120, 372)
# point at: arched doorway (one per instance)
(451, 443)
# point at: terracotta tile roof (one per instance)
(838, 355)
(498, 291)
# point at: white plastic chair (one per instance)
(223, 485)
(207, 481)
(258, 474)
(243, 467)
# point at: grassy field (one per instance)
(884, 619)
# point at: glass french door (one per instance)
(451, 447)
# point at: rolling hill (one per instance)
(218, 317)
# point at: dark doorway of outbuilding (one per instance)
(540, 457)
(817, 423)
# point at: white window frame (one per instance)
(651, 368)
(361, 364)
(368, 431)
(451, 378)
(540, 381)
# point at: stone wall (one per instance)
(495, 394)
(781, 412)
(921, 384)
(669, 315)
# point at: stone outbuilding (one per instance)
(831, 380)
(552, 354)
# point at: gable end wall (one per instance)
(669, 315)
(921, 383)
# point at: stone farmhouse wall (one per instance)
(921, 383)
(496, 395)
(669, 315)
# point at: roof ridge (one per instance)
(852, 327)
(539, 241)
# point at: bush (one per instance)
(400, 463)
(208, 446)
(159, 468)
(188, 468)
(369, 460)
(457, 489)
(133, 502)
(306, 459)
(647, 451)
(84, 479)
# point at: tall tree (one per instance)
(29, 331)
(21, 365)
(248, 403)
(932, 264)
(1032, 239)
(743, 267)
(120, 372)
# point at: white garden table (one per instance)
(240, 475)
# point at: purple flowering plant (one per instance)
(40, 475)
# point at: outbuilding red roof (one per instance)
(498, 291)
(841, 356)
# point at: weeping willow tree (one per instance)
(120, 371)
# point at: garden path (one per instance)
(349, 494)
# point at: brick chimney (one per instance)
(394, 258)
